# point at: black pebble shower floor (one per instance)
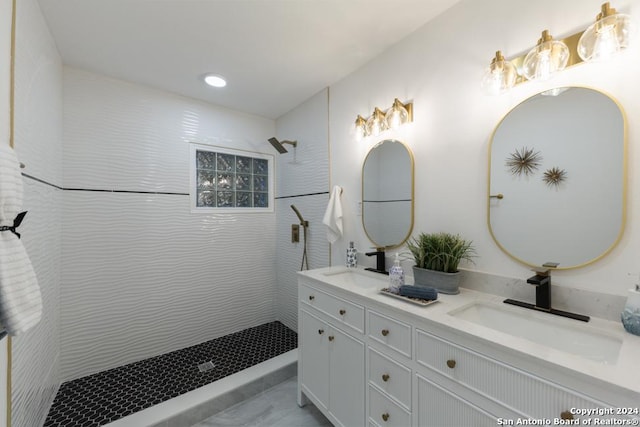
(101, 398)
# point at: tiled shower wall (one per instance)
(38, 144)
(142, 274)
(302, 179)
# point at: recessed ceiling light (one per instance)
(215, 80)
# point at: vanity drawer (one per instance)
(393, 333)
(386, 413)
(443, 408)
(390, 376)
(342, 310)
(518, 390)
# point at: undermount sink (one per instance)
(358, 279)
(566, 335)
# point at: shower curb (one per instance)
(197, 405)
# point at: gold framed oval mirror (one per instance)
(387, 193)
(557, 178)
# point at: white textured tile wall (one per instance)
(142, 275)
(124, 136)
(302, 180)
(38, 94)
(289, 255)
(38, 144)
(304, 169)
(36, 365)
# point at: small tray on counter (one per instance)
(417, 301)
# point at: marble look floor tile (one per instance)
(276, 407)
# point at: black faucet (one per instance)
(542, 282)
(380, 261)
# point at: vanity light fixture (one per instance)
(547, 58)
(609, 34)
(380, 121)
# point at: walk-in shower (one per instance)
(278, 145)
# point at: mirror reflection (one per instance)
(387, 194)
(557, 178)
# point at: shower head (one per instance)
(278, 145)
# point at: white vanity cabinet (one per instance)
(369, 360)
(331, 370)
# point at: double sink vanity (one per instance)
(366, 359)
(468, 360)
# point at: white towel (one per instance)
(333, 216)
(20, 299)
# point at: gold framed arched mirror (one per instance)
(387, 194)
(557, 178)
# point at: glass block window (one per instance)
(231, 180)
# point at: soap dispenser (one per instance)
(396, 276)
(352, 256)
(631, 314)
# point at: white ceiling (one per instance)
(275, 54)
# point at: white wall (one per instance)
(38, 121)
(439, 68)
(142, 275)
(302, 179)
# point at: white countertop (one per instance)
(624, 373)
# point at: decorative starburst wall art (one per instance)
(554, 177)
(524, 161)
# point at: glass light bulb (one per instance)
(376, 123)
(546, 59)
(608, 36)
(397, 115)
(606, 43)
(360, 128)
(499, 77)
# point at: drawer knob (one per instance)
(385, 377)
(311, 297)
(566, 415)
(342, 311)
(331, 337)
(385, 417)
(451, 363)
(320, 331)
(385, 332)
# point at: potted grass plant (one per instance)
(437, 256)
